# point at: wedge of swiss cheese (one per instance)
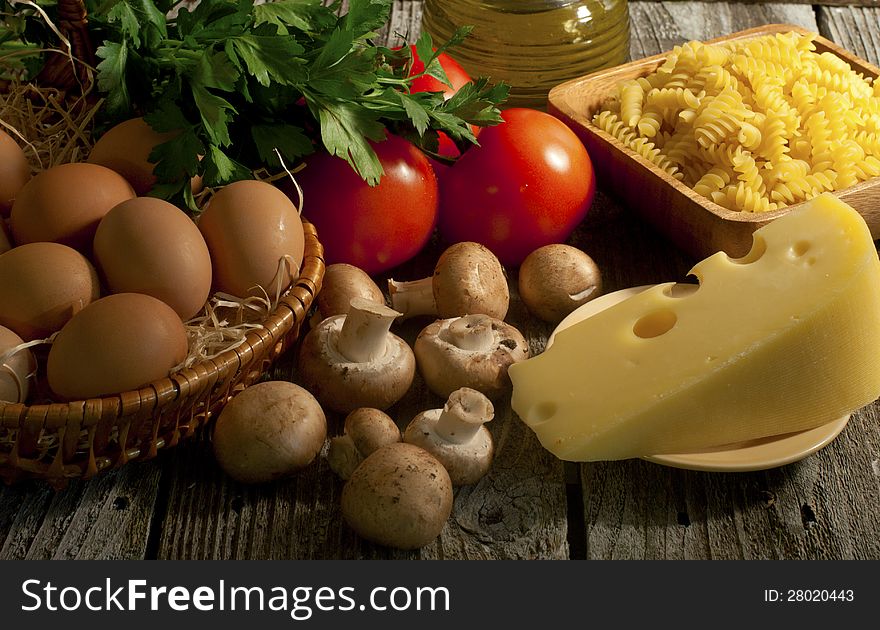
(782, 340)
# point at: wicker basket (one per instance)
(79, 439)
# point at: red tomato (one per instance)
(457, 76)
(374, 228)
(454, 72)
(528, 184)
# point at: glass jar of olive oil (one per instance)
(532, 45)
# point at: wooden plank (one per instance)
(865, 3)
(825, 506)
(517, 511)
(856, 29)
(203, 515)
(658, 26)
(106, 518)
(405, 23)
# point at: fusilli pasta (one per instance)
(752, 124)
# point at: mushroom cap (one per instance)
(341, 283)
(468, 278)
(371, 429)
(556, 279)
(466, 463)
(445, 367)
(366, 430)
(343, 385)
(400, 496)
(268, 431)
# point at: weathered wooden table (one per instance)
(530, 506)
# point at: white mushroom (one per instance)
(472, 351)
(351, 361)
(556, 279)
(400, 496)
(366, 430)
(468, 278)
(268, 431)
(455, 435)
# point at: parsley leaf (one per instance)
(416, 111)
(215, 114)
(128, 21)
(268, 58)
(364, 17)
(180, 155)
(290, 140)
(299, 15)
(345, 129)
(238, 81)
(221, 169)
(111, 76)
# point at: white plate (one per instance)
(744, 456)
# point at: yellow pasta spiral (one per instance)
(741, 197)
(803, 188)
(752, 124)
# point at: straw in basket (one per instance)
(79, 439)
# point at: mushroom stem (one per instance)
(364, 333)
(463, 415)
(413, 298)
(472, 333)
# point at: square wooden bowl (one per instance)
(694, 223)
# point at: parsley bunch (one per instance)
(240, 81)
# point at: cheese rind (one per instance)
(782, 340)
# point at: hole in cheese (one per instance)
(799, 249)
(655, 324)
(680, 290)
(759, 248)
(542, 412)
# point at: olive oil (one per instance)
(532, 45)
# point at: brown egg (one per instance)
(5, 241)
(118, 343)
(15, 370)
(126, 149)
(14, 171)
(250, 226)
(146, 245)
(43, 285)
(65, 203)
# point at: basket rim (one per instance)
(160, 413)
(289, 312)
